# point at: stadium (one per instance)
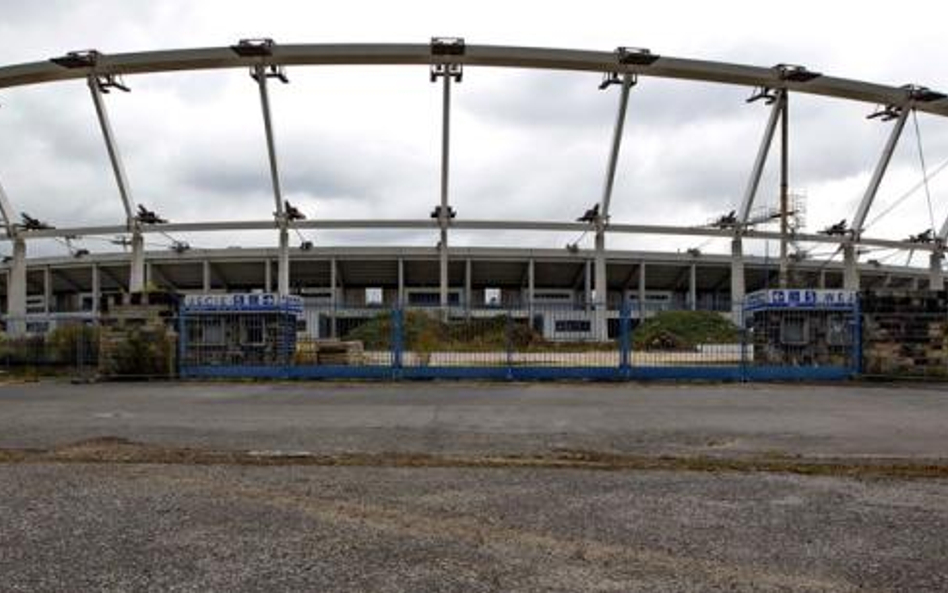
(354, 281)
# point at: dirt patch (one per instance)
(119, 450)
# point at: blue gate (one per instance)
(778, 339)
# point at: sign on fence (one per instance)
(800, 298)
(237, 302)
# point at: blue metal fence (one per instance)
(541, 343)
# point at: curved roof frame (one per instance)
(619, 62)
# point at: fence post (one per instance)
(397, 342)
(625, 340)
(182, 337)
(857, 336)
(508, 342)
(742, 321)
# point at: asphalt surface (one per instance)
(728, 420)
(186, 528)
(189, 524)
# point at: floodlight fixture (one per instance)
(254, 48)
(86, 58)
(795, 73)
(638, 56)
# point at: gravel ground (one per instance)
(70, 527)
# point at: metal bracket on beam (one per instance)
(107, 82)
(276, 71)
(762, 93)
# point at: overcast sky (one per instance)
(364, 142)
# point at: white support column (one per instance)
(850, 269)
(822, 280)
(693, 287)
(444, 217)
(16, 289)
(283, 267)
(267, 275)
(738, 285)
(936, 278)
(206, 276)
(136, 276)
(600, 288)
(149, 274)
(784, 277)
(401, 283)
(96, 289)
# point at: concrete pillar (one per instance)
(915, 283)
(96, 289)
(531, 288)
(693, 287)
(936, 278)
(136, 276)
(283, 267)
(601, 286)
(267, 276)
(443, 273)
(16, 289)
(47, 290)
(333, 296)
(641, 290)
(468, 293)
(822, 279)
(850, 271)
(587, 285)
(400, 299)
(149, 277)
(738, 284)
(206, 276)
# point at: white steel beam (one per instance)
(474, 55)
(859, 220)
(260, 75)
(627, 81)
(750, 192)
(115, 158)
(6, 210)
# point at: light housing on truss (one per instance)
(254, 48)
(638, 56)
(86, 58)
(795, 73)
(923, 94)
(447, 46)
